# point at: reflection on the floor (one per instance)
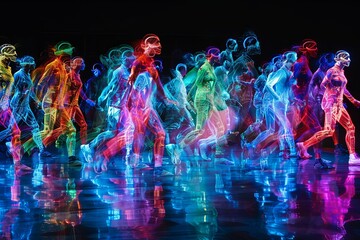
(268, 198)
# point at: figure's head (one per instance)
(8, 53)
(227, 65)
(151, 45)
(200, 58)
(289, 58)
(97, 69)
(267, 68)
(181, 68)
(231, 44)
(213, 54)
(342, 57)
(63, 48)
(77, 63)
(277, 62)
(252, 45)
(309, 47)
(127, 56)
(114, 56)
(27, 60)
(189, 59)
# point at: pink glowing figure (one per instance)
(334, 87)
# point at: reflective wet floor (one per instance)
(229, 197)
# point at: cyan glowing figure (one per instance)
(265, 137)
(176, 91)
(221, 97)
(280, 85)
(264, 112)
(334, 88)
(23, 89)
(113, 98)
(177, 119)
(9, 126)
(259, 86)
(111, 61)
(227, 55)
(112, 141)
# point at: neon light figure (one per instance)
(23, 89)
(178, 120)
(50, 86)
(263, 138)
(220, 117)
(263, 110)
(204, 99)
(75, 91)
(243, 75)
(280, 85)
(95, 116)
(8, 54)
(334, 87)
(227, 56)
(145, 82)
(112, 141)
(70, 111)
(51, 89)
(313, 114)
(302, 70)
(112, 97)
(190, 77)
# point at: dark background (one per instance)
(183, 26)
